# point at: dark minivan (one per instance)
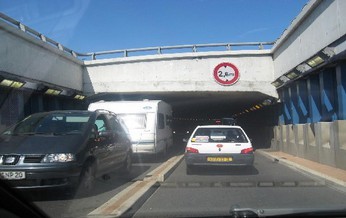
(64, 149)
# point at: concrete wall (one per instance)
(323, 142)
(319, 24)
(299, 140)
(340, 143)
(25, 56)
(179, 72)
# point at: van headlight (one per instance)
(58, 158)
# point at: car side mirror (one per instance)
(93, 134)
(105, 134)
(100, 136)
(8, 132)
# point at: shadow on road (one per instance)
(213, 170)
(113, 181)
(110, 182)
(159, 158)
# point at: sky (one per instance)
(101, 25)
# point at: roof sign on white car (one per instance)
(147, 108)
(218, 137)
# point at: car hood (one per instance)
(40, 144)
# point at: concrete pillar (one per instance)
(328, 95)
(281, 114)
(285, 138)
(21, 102)
(274, 142)
(299, 137)
(340, 143)
(40, 103)
(291, 140)
(314, 98)
(310, 140)
(280, 137)
(324, 142)
(302, 92)
(341, 90)
(286, 106)
(293, 104)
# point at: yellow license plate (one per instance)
(219, 159)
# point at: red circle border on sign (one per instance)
(228, 83)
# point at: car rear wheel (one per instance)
(87, 181)
(127, 166)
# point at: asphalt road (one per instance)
(214, 191)
(62, 204)
(209, 191)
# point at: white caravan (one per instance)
(148, 121)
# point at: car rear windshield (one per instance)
(219, 135)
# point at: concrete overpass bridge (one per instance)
(294, 84)
(179, 78)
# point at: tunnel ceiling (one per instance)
(195, 104)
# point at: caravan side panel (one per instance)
(148, 122)
(164, 133)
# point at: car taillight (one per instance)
(191, 150)
(247, 151)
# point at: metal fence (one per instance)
(135, 51)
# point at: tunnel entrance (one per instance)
(191, 109)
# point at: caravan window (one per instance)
(134, 121)
(168, 120)
(160, 121)
(101, 123)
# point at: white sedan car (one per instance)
(219, 145)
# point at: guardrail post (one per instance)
(43, 38)
(21, 27)
(73, 54)
(93, 56)
(125, 53)
(260, 46)
(60, 47)
(159, 50)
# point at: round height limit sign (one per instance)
(226, 74)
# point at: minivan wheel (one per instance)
(163, 154)
(165, 151)
(87, 181)
(126, 169)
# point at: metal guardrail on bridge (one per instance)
(125, 52)
(37, 35)
(194, 48)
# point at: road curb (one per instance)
(327, 180)
(127, 202)
(161, 175)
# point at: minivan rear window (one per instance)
(205, 135)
